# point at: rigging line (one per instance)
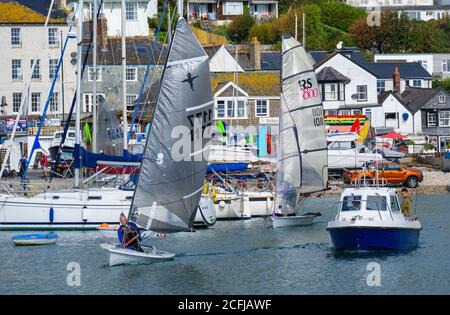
(153, 79)
(147, 71)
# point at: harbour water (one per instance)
(238, 257)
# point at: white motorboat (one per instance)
(124, 256)
(369, 218)
(243, 205)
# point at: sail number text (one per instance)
(317, 114)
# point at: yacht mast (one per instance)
(180, 8)
(124, 79)
(94, 86)
(76, 180)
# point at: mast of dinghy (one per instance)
(180, 8)
(124, 79)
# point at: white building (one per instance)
(23, 39)
(136, 15)
(437, 64)
(424, 10)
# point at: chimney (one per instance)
(397, 89)
(102, 32)
(255, 54)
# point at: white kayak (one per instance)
(124, 256)
(295, 220)
(35, 239)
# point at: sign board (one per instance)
(268, 120)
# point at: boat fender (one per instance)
(222, 204)
(51, 215)
(214, 194)
(84, 214)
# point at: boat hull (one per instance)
(35, 239)
(122, 256)
(370, 238)
(298, 220)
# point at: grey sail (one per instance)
(302, 153)
(109, 131)
(171, 179)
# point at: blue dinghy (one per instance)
(35, 239)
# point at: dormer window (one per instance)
(442, 99)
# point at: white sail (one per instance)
(169, 190)
(302, 152)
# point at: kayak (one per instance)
(35, 239)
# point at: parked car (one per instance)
(388, 172)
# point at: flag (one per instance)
(87, 134)
(356, 127)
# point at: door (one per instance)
(393, 173)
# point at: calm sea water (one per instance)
(238, 257)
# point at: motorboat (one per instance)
(369, 218)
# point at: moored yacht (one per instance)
(369, 218)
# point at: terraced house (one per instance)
(224, 11)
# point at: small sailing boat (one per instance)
(35, 239)
(302, 154)
(168, 190)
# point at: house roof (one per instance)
(382, 96)
(416, 98)
(320, 57)
(329, 74)
(139, 50)
(255, 83)
(270, 60)
(408, 70)
(30, 12)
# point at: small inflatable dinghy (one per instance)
(35, 239)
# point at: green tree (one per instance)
(239, 29)
(445, 84)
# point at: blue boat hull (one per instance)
(227, 167)
(363, 238)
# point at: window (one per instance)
(417, 83)
(377, 203)
(16, 40)
(413, 15)
(220, 110)
(423, 63)
(368, 113)
(394, 204)
(351, 203)
(37, 69)
(131, 11)
(331, 92)
(53, 37)
(88, 101)
(131, 74)
(442, 99)
(262, 108)
(16, 66)
(381, 86)
(390, 116)
(131, 99)
(431, 119)
(35, 102)
(16, 100)
(331, 112)
(344, 112)
(52, 66)
(444, 119)
(231, 109)
(361, 91)
(233, 8)
(91, 74)
(54, 102)
(446, 65)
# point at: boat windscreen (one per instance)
(377, 203)
(351, 203)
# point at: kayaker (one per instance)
(129, 234)
(407, 205)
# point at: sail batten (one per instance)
(166, 196)
(302, 153)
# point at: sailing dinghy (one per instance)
(168, 188)
(302, 155)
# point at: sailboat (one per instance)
(302, 154)
(168, 190)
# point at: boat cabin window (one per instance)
(394, 204)
(351, 203)
(58, 135)
(71, 135)
(341, 145)
(129, 197)
(55, 197)
(95, 197)
(377, 203)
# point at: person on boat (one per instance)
(407, 205)
(129, 234)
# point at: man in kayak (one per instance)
(407, 204)
(129, 234)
